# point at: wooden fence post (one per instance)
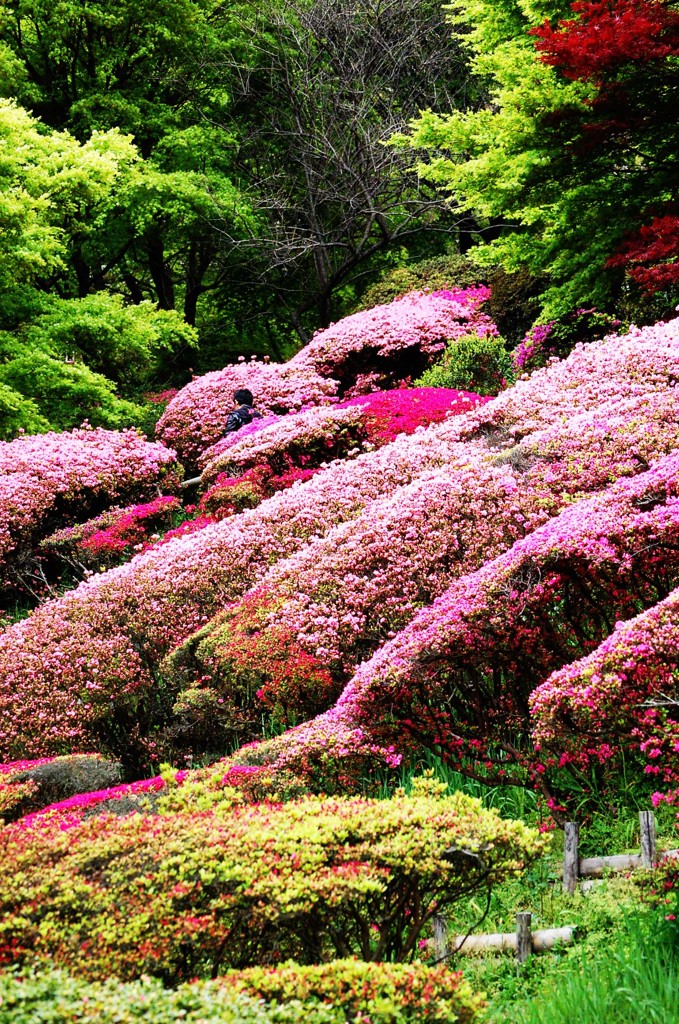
(571, 859)
(648, 851)
(440, 937)
(524, 939)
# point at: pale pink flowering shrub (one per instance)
(80, 673)
(381, 346)
(195, 419)
(488, 641)
(49, 480)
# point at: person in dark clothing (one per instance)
(245, 413)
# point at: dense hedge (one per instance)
(341, 992)
(190, 893)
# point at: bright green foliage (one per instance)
(193, 892)
(525, 160)
(18, 413)
(58, 999)
(471, 363)
(124, 343)
(66, 394)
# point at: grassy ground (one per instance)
(622, 967)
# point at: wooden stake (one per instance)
(649, 855)
(570, 856)
(440, 937)
(524, 943)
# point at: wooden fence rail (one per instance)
(525, 941)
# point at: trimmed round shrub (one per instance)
(472, 363)
(191, 892)
(56, 998)
(341, 992)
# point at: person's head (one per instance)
(243, 397)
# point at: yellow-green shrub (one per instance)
(194, 892)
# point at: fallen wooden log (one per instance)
(506, 941)
(597, 867)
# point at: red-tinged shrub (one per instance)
(619, 702)
(82, 672)
(267, 672)
(458, 679)
(53, 479)
(113, 535)
(26, 786)
(651, 256)
(607, 35)
(384, 992)
(189, 893)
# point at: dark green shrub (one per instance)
(471, 363)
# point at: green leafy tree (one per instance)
(571, 151)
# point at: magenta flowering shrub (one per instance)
(49, 480)
(113, 535)
(622, 699)
(376, 348)
(81, 673)
(195, 419)
(26, 786)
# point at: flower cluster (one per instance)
(51, 479)
(80, 674)
(113, 534)
(308, 879)
(195, 419)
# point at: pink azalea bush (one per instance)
(319, 435)
(481, 649)
(620, 700)
(50, 479)
(365, 352)
(81, 672)
(351, 590)
(195, 419)
(378, 347)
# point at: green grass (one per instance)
(633, 979)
